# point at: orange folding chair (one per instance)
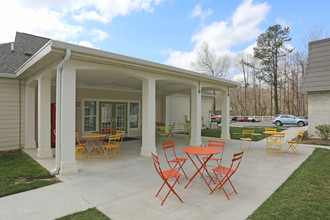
(166, 175)
(227, 172)
(177, 160)
(80, 147)
(295, 142)
(218, 144)
(111, 147)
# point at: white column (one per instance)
(196, 116)
(44, 124)
(148, 117)
(167, 110)
(68, 164)
(30, 117)
(225, 104)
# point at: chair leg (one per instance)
(171, 190)
(250, 146)
(181, 168)
(106, 154)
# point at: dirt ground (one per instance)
(316, 141)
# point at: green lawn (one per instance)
(18, 173)
(304, 195)
(236, 132)
(91, 213)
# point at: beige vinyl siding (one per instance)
(206, 108)
(10, 114)
(317, 76)
(179, 106)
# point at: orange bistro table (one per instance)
(201, 151)
(96, 138)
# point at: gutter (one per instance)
(8, 75)
(58, 146)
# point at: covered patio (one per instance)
(71, 76)
(126, 188)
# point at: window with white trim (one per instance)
(89, 116)
(134, 115)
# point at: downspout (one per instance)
(20, 116)
(58, 111)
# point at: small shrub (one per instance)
(323, 131)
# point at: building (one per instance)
(92, 90)
(316, 84)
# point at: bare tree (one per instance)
(209, 62)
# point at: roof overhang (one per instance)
(54, 51)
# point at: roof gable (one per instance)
(317, 76)
(25, 45)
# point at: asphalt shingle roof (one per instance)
(10, 62)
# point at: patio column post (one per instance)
(225, 104)
(148, 117)
(30, 116)
(68, 164)
(196, 116)
(44, 133)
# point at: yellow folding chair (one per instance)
(111, 147)
(247, 136)
(122, 134)
(269, 132)
(80, 147)
(295, 142)
(275, 146)
(164, 134)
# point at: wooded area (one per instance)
(270, 78)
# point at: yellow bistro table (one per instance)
(94, 139)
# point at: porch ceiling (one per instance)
(121, 80)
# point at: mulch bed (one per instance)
(10, 152)
(315, 141)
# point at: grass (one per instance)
(91, 213)
(19, 173)
(236, 132)
(304, 195)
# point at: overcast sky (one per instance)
(163, 31)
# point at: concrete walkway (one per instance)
(125, 188)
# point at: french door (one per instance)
(113, 115)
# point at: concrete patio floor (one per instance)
(126, 188)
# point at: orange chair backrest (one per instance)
(157, 165)
(219, 144)
(236, 161)
(166, 147)
(109, 130)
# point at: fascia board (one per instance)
(7, 75)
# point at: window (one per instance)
(90, 116)
(134, 115)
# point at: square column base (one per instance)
(195, 142)
(146, 151)
(30, 144)
(44, 153)
(68, 168)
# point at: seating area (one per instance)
(133, 181)
(102, 144)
